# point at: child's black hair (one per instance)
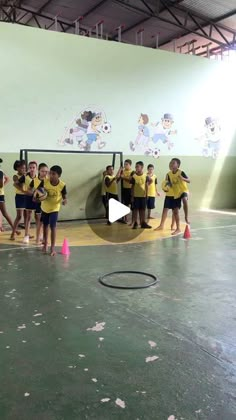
(108, 166)
(42, 165)
(150, 166)
(56, 169)
(18, 163)
(140, 163)
(1, 160)
(177, 160)
(33, 162)
(128, 161)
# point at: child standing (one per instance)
(3, 211)
(111, 182)
(20, 167)
(179, 181)
(126, 174)
(56, 193)
(34, 184)
(152, 190)
(30, 205)
(139, 182)
(103, 190)
(168, 203)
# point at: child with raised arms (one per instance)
(111, 180)
(126, 174)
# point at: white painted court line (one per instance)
(202, 228)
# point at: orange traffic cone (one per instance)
(187, 233)
(65, 250)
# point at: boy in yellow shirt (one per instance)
(126, 174)
(179, 181)
(152, 190)
(56, 194)
(111, 182)
(139, 182)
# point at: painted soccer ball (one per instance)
(106, 128)
(156, 153)
(39, 195)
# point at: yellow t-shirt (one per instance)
(167, 188)
(139, 184)
(127, 174)
(23, 186)
(34, 184)
(152, 187)
(55, 192)
(2, 188)
(112, 189)
(179, 186)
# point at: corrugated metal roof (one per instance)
(210, 8)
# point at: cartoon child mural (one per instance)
(87, 131)
(163, 131)
(211, 139)
(143, 137)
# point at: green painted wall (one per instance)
(50, 79)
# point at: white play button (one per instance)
(117, 210)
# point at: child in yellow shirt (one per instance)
(152, 190)
(56, 194)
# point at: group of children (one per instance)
(139, 190)
(29, 183)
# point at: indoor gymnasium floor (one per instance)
(73, 349)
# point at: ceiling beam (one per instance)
(182, 24)
(214, 21)
(94, 8)
(130, 28)
(89, 12)
(38, 11)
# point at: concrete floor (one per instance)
(54, 367)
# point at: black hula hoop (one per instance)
(145, 286)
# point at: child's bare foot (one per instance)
(18, 233)
(159, 228)
(45, 249)
(187, 221)
(172, 227)
(38, 243)
(151, 217)
(176, 232)
(31, 237)
(1, 229)
(12, 238)
(53, 253)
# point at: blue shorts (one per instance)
(126, 196)
(151, 203)
(139, 203)
(29, 203)
(2, 198)
(49, 219)
(38, 209)
(20, 201)
(169, 202)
